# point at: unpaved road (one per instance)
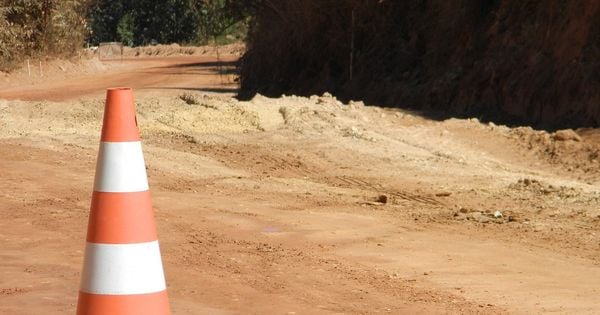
(273, 206)
(159, 75)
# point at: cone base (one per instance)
(147, 304)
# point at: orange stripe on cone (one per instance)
(146, 304)
(122, 273)
(120, 218)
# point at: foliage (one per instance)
(35, 27)
(214, 19)
(182, 21)
(225, 20)
(166, 21)
(125, 29)
(30, 28)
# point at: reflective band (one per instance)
(121, 168)
(122, 269)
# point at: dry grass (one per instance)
(40, 28)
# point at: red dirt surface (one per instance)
(302, 206)
(160, 74)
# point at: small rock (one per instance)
(483, 219)
(353, 132)
(479, 217)
(356, 104)
(443, 194)
(382, 198)
(497, 214)
(474, 214)
(566, 135)
(460, 216)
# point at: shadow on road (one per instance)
(203, 89)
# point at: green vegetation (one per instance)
(35, 28)
(145, 22)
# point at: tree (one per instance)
(220, 17)
(125, 29)
(104, 17)
(146, 21)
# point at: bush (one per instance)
(31, 28)
(143, 22)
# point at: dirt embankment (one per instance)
(235, 49)
(534, 62)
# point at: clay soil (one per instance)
(300, 205)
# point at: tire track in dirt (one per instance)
(352, 182)
(263, 161)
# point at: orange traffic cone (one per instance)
(122, 270)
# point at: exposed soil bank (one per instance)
(534, 62)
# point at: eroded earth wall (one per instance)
(521, 61)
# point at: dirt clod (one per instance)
(566, 135)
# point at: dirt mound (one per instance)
(564, 147)
(536, 187)
(235, 49)
(534, 62)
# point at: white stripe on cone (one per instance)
(122, 269)
(121, 168)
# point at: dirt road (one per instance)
(158, 75)
(305, 206)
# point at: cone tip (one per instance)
(119, 90)
(120, 123)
